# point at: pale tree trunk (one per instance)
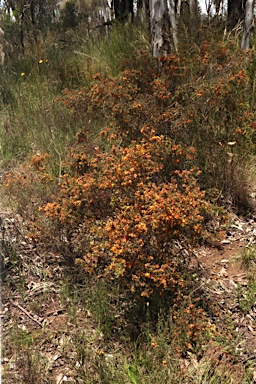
(21, 25)
(174, 23)
(248, 24)
(2, 55)
(160, 27)
(178, 7)
(104, 11)
(105, 16)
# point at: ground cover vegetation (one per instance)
(120, 167)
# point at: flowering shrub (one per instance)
(198, 100)
(159, 145)
(131, 202)
(131, 214)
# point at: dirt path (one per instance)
(229, 279)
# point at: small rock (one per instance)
(225, 241)
(223, 272)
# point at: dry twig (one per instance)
(26, 313)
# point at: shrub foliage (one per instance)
(128, 211)
(134, 193)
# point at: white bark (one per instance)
(104, 11)
(2, 54)
(248, 24)
(105, 15)
(160, 27)
(178, 8)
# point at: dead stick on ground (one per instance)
(26, 313)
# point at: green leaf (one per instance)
(132, 373)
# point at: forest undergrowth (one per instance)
(118, 169)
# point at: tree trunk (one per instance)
(248, 24)
(33, 22)
(173, 17)
(160, 27)
(2, 55)
(177, 7)
(21, 24)
(105, 16)
(193, 15)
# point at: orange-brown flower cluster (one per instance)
(134, 206)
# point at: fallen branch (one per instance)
(26, 313)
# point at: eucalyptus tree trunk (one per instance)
(248, 24)
(105, 16)
(160, 27)
(2, 55)
(177, 7)
(104, 11)
(21, 27)
(174, 14)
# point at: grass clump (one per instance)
(248, 258)
(246, 295)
